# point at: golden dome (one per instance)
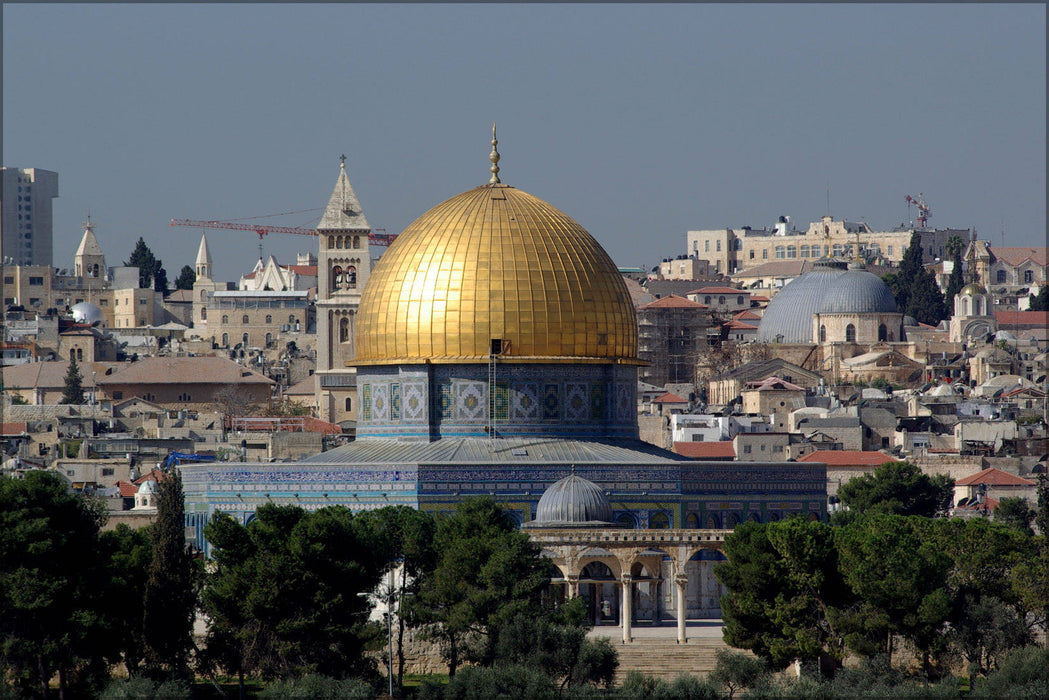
(972, 289)
(495, 263)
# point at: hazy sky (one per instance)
(639, 121)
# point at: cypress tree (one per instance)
(73, 393)
(171, 589)
(954, 283)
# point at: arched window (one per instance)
(823, 333)
(781, 252)
(739, 299)
(692, 521)
(804, 251)
(706, 299)
(225, 340)
(356, 241)
(850, 333)
(1028, 276)
(721, 300)
(244, 339)
(338, 242)
(1000, 276)
(291, 319)
(269, 339)
(79, 354)
(344, 330)
(336, 277)
(351, 277)
(626, 520)
(977, 307)
(203, 295)
(244, 319)
(269, 319)
(204, 314)
(792, 251)
(349, 403)
(659, 521)
(72, 354)
(225, 318)
(331, 241)
(883, 332)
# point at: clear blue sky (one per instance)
(639, 121)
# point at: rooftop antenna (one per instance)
(494, 157)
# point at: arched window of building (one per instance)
(331, 241)
(79, 354)
(850, 333)
(626, 520)
(336, 277)
(712, 522)
(1000, 276)
(203, 295)
(719, 246)
(269, 339)
(706, 299)
(351, 277)
(804, 251)
(883, 332)
(356, 241)
(349, 403)
(338, 241)
(344, 330)
(72, 354)
(291, 319)
(781, 252)
(225, 340)
(244, 339)
(269, 319)
(792, 251)
(244, 319)
(977, 307)
(1028, 276)
(692, 521)
(823, 333)
(225, 318)
(659, 521)
(739, 299)
(204, 314)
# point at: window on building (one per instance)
(837, 250)
(804, 251)
(747, 449)
(659, 521)
(718, 247)
(1028, 276)
(9, 280)
(850, 333)
(344, 330)
(291, 319)
(225, 318)
(141, 302)
(33, 301)
(739, 299)
(706, 300)
(103, 302)
(889, 248)
(244, 339)
(792, 251)
(269, 339)
(1000, 276)
(36, 281)
(752, 255)
(269, 318)
(781, 252)
(706, 246)
(764, 253)
(356, 241)
(351, 277)
(225, 340)
(244, 319)
(338, 242)
(107, 471)
(118, 395)
(331, 241)
(883, 332)
(721, 301)
(823, 334)
(348, 403)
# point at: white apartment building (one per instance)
(25, 215)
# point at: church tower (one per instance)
(343, 265)
(203, 287)
(89, 261)
(203, 264)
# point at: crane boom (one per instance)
(378, 236)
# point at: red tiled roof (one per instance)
(737, 325)
(674, 302)
(307, 270)
(848, 458)
(758, 297)
(994, 477)
(721, 449)
(773, 384)
(1016, 256)
(669, 398)
(746, 314)
(1022, 318)
(13, 428)
(152, 475)
(127, 490)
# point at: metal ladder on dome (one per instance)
(495, 349)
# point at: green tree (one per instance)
(486, 573)
(898, 488)
(127, 553)
(50, 576)
(172, 587)
(73, 391)
(735, 671)
(1015, 512)
(915, 288)
(151, 272)
(284, 598)
(785, 592)
(186, 278)
(956, 281)
(899, 578)
(1040, 301)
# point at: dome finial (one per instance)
(494, 157)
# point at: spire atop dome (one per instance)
(344, 210)
(494, 157)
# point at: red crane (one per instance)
(376, 236)
(923, 209)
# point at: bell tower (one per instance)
(343, 266)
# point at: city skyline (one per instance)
(641, 122)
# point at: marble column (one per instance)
(681, 582)
(628, 607)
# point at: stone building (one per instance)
(671, 331)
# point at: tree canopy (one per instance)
(73, 391)
(186, 278)
(151, 272)
(915, 288)
(898, 488)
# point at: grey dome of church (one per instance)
(857, 292)
(85, 312)
(573, 502)
(788, 317)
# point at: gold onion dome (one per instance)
(495, 263)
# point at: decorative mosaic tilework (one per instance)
(597, 401)
(445, 401)
(526, 402)
(624, 402)
(395, 401)
(366, 402)
(381, 402)
(576, 402)
(551, 402)
(414, 402)
(501, 401)
(470, 402)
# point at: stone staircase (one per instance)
(665, 658)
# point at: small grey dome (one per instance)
(857, 292)
(573, 502)
(85, 312)
(788, 317)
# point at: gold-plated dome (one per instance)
(972, 289)
(495, 263)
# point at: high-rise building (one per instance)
(25, 215)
